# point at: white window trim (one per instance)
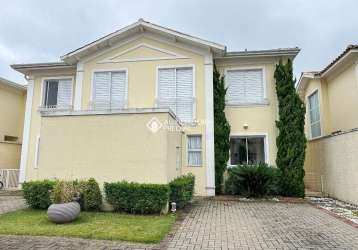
(251, 135)
(110, 70)
(37, 152)
(43, 81)
(176, 67)
(309, 115)
(187, 151)
(265, 101)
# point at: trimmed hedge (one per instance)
(182, 190)
(139, 198)
(90, 195)
(37, 193)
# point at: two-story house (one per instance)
(331, 97)
(137, 105)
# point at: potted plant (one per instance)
(65, 207)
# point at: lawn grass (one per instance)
(90, 225)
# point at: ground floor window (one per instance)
(247, 150)
(194, 150)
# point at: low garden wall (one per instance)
(332, 166)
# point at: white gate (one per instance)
(9, 177)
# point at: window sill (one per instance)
(243, 105)
(193, 166)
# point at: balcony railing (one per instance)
(55, 107)
(9, 177)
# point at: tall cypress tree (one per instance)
(221, 130)
(291, 141)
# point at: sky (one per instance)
(33, 31)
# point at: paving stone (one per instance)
(262, 225)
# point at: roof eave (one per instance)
(326, 72)
(13, 84)
(262, 53)
(25, 68)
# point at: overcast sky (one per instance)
(43, 30)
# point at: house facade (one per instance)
(137, 105)
(331, 98)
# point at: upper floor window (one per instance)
(245, 86)
(109, 90)
(315, 117)
(57, 93)
(175, 91)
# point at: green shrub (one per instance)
(90, 195)
(182, 189)
(137, 198)
(65, 191)
(253, 180)
(37, 193)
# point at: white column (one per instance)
(26, 132)
(78, 91)
(209, 133)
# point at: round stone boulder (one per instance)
(64, 213)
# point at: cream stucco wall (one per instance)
(259, 118)
(335, 161)
(12, 108)
(109, 148)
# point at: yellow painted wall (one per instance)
(12, 108)
(107, 147)
(141, 94)
(335, 159)
(338, 99)
(259, 118)
(342, 94)
(10, 155)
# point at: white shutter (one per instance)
(101, 88)
(167, 89)
(64, 95)
(245, 86)
(118, 90)
(236, 86)
(254, 88)
(184, 81)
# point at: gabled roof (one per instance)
(139, 26)
(347, 55)
(12, 84)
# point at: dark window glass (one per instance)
(51, 90)
(256, 150)
(247, 150)
(238, 151)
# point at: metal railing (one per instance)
(55, 107)
(10, 178)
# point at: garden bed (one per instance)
(90, 225)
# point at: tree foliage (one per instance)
(221, 130)
(291, 141)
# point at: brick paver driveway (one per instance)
(261, 225)
(213, 224)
